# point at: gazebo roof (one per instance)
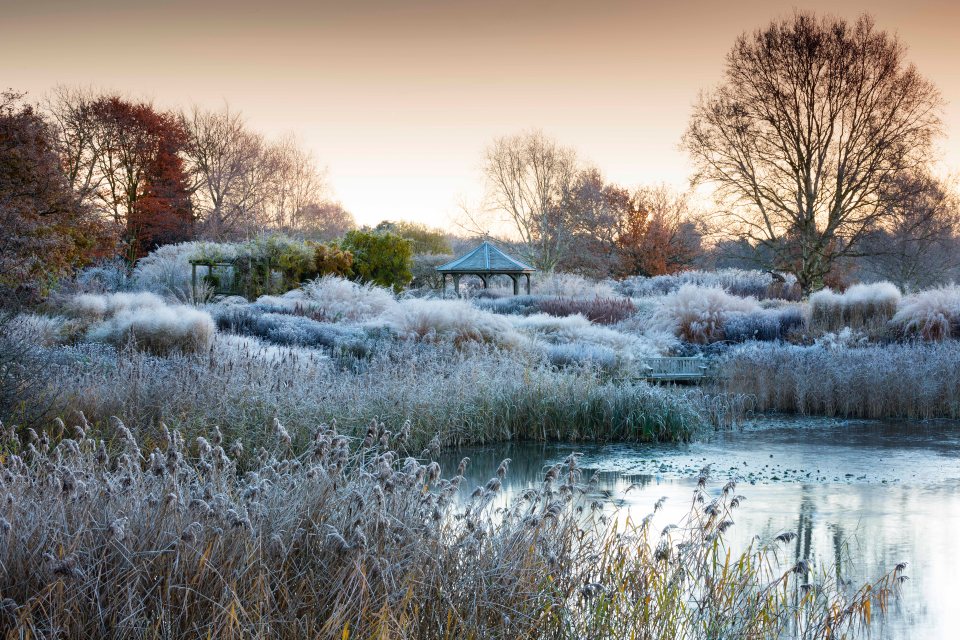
(486, 259)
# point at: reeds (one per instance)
(467, 394)
(912, 380)
(862, 306)
(186, 539)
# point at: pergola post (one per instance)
(193, 278)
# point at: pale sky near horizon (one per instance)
(399, 99)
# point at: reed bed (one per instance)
(911, 380)
(468, 395)
(346, 539)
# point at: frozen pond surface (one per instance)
(863, 494)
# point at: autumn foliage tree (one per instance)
(46, 229)
(143, 182)
(617, 232)
(657, 234)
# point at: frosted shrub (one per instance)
(455, 320)
(738, 282)
(163, 330)
(292, 330)
(868, 306)
(763, 324)
(509, 305)
(698, 314)
(932, 315)
(569, 285)
(104, 278)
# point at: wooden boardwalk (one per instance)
(693, 370)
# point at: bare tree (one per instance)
(297, 182)
(230, 169)
(814, 118)
(528, 176)
(74, 124)
(242, 183)
(326, 220)
(917, 245)
(597, 211)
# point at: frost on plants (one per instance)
(868, 306)
(143, 320)
(931, 315)
(699, 314)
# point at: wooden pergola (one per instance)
(486, 261)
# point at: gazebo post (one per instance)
(528, 283)
(516, 284)
(456, 284)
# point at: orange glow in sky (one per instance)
(399, 98)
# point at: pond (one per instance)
(861, 495)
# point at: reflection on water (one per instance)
(862, 496)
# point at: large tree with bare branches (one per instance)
(814, 119)
(528, 178)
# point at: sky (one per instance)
(399, 98)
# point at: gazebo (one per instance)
(483, 262)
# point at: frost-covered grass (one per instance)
(159, 331)
(144, 320)
(509, 305)
(862, 306)
(577, 330)
(912, 380)
(91, 307)
(698, 314)
(469, 394)
(931, 315)
(739, 282)
(453, 321)
(167, 271)
(105, 535)
(338, 299)
(36, 329)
